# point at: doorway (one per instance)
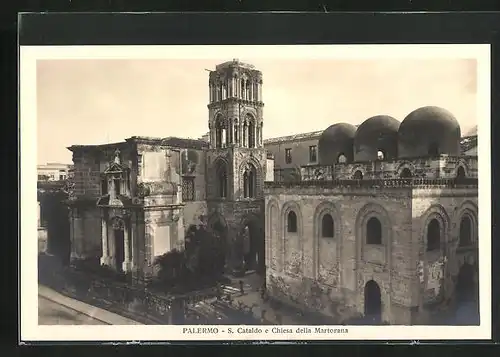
(119, 249)
(466, 287)
(466, 294)
(373, 302)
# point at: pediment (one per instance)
(114, 168)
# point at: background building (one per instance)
(53, 171)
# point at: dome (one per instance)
(378, 133)
(335, 141)
(429, 131)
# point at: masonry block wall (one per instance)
(326, 274)
(443, 167)
(438, 269)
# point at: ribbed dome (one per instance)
(378, 133)
(429, 131)
(336, 140)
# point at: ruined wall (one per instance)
(85, 232)
(327, 273)
(438, 269)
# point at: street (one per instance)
(52, 313)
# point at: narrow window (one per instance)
(117, 185)
(327, 226)
(465, 232)
(188, 188)
(433, 235)
(312, 153)
(292, 222)
(288, 156)
(104, 186)
(373, 231)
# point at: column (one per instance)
(257, 137)
(126, 262)
(104, 237)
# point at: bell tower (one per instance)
(236, 159)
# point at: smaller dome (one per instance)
(429, 131)
(335, 141)
(378, 133)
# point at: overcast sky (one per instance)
(99, 101)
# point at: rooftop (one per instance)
(234, 63)
(301, 136)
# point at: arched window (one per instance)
(342, 159)
(433, 149)
(433, 235)
(405, 173)
(221, 171)
(358, 175)
(460, 173)
(291, 222)
(219, 132)
(465, 232)
(380, 155)
(249, 182)
(251, 134)
(327, 226)
(373, 231)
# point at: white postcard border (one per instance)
(31, 331)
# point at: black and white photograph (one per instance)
(300, 192)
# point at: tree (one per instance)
(199, 261)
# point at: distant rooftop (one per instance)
(287, 138)
(53, 164)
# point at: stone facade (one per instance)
(384, 226)
(134, 201)
(325, 273)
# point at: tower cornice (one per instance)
(237, 101)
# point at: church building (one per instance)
(135, 200)
(385, 225)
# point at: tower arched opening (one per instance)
(249, 181)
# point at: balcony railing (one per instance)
(376, 183)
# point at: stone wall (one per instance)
(438, 269)
(163, 231)
(85, 233)
(339, 267)
(324, 274)
(444, 167)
